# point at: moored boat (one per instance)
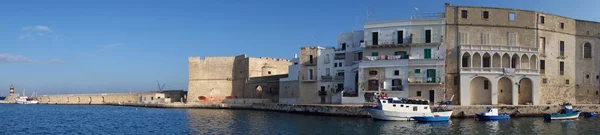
(431, 118)
(566, 113)
(391, 108)
(491, 114)
(590, 114)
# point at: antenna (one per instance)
(160, 88)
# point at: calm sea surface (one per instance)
(75, 119)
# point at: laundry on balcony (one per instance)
(508, 71)
(384, 57)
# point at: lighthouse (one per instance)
(12, 90)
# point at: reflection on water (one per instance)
(207, 121)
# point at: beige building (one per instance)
(213, 79)
(516, 57)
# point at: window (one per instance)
(542, 19)
(542, 46)
(418, 93)
(310, 60)
(310, 74)
(567, 81)
(396, 72)
(485, 38)
(511, 16)
(464, 14)
(427, 53)
(373, 85)
(326, 59)
(394, 105)
(486, 14)
(400, 37)
(512, 39)
(359, 54)
(465, 62)
(427, 36)
(587, 76)
(340, 74)
(545, 80)
(375, 38)
(562, 68)
(562, 25)
(269, 72)
(372, 72)
(396, 84)
(562, 48)
(587, 50)
(334, 64)
(486, 61)
(343, 46)
(374, 54)
(415, 109)
(486, 84)
(417, 71)
(542, 66)
(340, 64)
(327, 72)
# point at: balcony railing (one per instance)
(410, 41)
(307, 79)
(498, 48)
(339, 57)
(504, 71)
(397, 88)
(326, 77)
(339, 78)
(309, 63)
(385, 57)
(424, 80)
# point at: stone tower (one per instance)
(12, 90)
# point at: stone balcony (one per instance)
(499, 48)
(503, 71)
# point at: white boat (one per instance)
(26, 100)
(391, 108)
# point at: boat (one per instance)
(433, 118)
(590, 114)
(393, 108)
(492, 114)
(2, 98)
(566, 113)
(26, 99)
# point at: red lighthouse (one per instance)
(12, 89)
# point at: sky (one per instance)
(121, 46)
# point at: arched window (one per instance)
(587, 50)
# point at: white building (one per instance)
(403, 58)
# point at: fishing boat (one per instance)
(566, 113)
(26, 99)
(433, 118)
(590, 114)
(491, 114)
(393, 108)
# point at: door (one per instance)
(427, 36)
(400, 37)
(375, 38)
(431, 96)
(373, 85)
(427, 54)
(431, 75)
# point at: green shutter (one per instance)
(417, 71)
(427, 53)
(431, 74)
(374, 54)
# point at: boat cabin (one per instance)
(490, 112)
(404, 105)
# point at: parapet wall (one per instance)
(90, 98)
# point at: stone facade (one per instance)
(527, 42)
(217, 78)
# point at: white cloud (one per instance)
(37, 28)
(25, 36)
(41, 34)
(7, 58)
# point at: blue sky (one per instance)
(114, 45)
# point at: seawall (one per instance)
(352, 110)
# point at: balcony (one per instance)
(307, 79)
(322, 93)
(391, 43)
(503, 71)
(326, 77)
(502, 48)
(397, 88)
(314, 63)
(339, 57)
(385, 57)
(339, 78)
(419, 80)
